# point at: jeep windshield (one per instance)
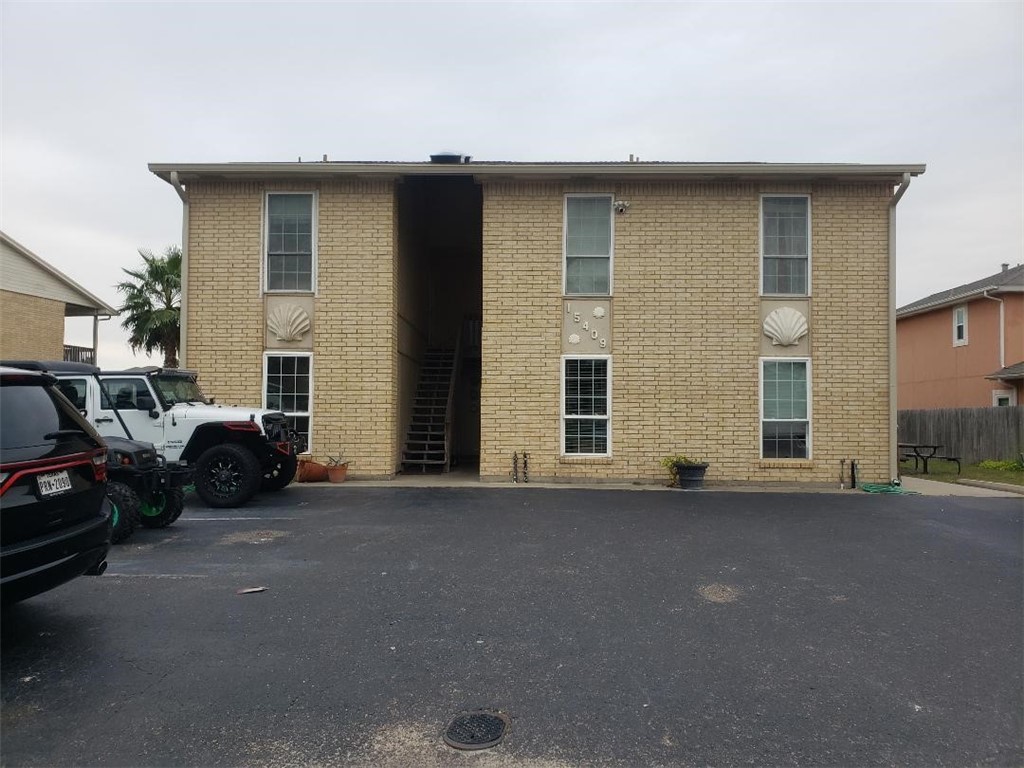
(178, 389)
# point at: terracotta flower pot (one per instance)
(337, 473)
(311, 471)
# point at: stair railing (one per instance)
(448, 415)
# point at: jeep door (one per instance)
(137, 406)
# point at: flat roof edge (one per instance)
(553, 170)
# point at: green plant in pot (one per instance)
(685, 472)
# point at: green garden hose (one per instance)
(887, 488)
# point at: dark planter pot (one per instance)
(690, 475)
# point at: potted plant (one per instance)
(337, 469)
(685, 472)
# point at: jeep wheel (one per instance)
(282, 474)
(227, 475)
(124, 511)
(162, 508)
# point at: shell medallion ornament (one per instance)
(785, 326)
(288, 322)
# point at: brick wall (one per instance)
(31, 327)
(685, 331)
(354, 358)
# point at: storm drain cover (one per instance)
(476, 730)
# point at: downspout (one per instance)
(893, 454)
(183, 314)
(1002, 328)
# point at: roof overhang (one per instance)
(956, 301)
(90, 304)
(646, 171)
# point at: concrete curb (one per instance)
(1007, 487)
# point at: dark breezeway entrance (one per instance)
(439, 301)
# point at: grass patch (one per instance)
(945, 471)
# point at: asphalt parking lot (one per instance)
(615, 628)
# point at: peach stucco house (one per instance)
(964, 347)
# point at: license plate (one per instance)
(54, 482)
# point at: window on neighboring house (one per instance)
(588, 245)
(585, 399)
(785, 413)
(1003, 397)
(959, 326)
(288, 387)
(785, 245)
(290, 242)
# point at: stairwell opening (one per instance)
(439, 284)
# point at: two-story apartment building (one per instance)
(596, 316)
(964, 347)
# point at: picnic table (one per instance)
(922, 451)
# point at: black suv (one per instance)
(54, 512)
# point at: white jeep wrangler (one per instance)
(234, 451)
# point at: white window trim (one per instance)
(960, 342)
(267, 354)
(611, 245)
(1008, 393)
(266, 239)
(760, 406)
(564, 416)
(760, 241)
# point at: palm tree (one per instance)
(152, 304)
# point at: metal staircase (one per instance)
(429, 440)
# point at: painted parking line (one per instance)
(222, 519)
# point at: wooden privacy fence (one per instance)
(973, 434)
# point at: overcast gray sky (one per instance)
(92, 92)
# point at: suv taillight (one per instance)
(99, 465)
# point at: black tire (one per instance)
(124, 511)
(282, 474)
(162, 508)
(227, 475)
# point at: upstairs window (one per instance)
(290, 242)
(785, 245)
(959, 326)
(588, 245)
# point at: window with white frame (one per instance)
(785, 245)
(588, 245)
(959, 326)
(1002, 398)
(785, 409)
(291, 225)
(288, 387)
(586, 396)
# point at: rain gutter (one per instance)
(183, 311)
(893, 453)
(1002, 327)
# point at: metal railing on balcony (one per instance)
(73, 354)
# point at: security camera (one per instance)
(621, 206)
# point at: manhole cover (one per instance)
(476, 730)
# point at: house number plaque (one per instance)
(586, 327)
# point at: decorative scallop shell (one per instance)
(288, 322)
(598, 312)
(574, 338)
(785, 326)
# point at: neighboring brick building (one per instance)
(35, 298)
(964, 347)
(628, 311)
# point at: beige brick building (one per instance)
(35, 298)
(600, 316)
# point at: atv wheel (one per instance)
(124, 511)
(162, 508)
(227, 475)
(282, 474)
